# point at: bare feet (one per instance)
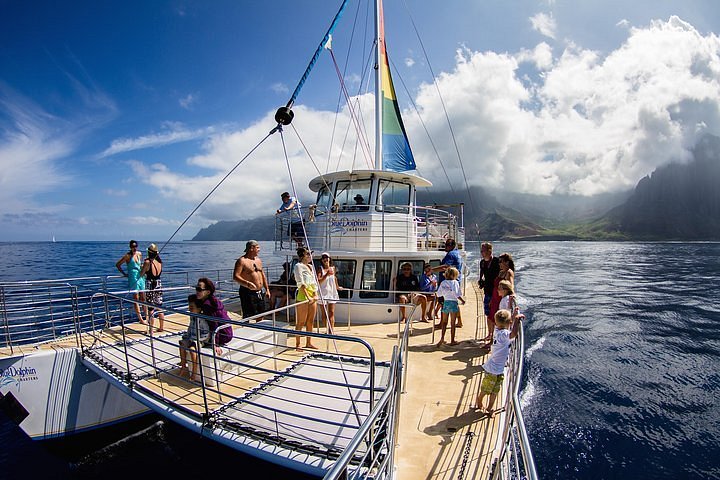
(453, 343)
(298, 349)
(313, 347)
(159, 330)
(184, 372)
(459, 325)
(441, 343)
(489, 411)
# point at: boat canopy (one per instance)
(356, 175)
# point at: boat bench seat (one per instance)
(249, 346)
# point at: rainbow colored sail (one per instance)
(396, 154)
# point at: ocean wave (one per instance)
(528, 394)
(535, 346)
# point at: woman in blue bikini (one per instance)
(136, 282)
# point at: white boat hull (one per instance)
(52, 394)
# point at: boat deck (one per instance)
(440, 435)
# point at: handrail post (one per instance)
(76, 314)
(52, 317)
(198, 344)
(124, 338)
(3, 307)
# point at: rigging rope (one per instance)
(340, 95)
(442, 102)
(312, 268)
(427, 132)
(365, 143)
(316, 55)
(216, 187)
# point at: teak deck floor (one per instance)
(440, 434)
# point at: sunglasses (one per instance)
(200, 289)
(133, 246)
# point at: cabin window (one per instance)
(375, 276)
(324, 201)
(434, 263)
(417, 266)
(393, 196)
(345, 276)
(353, 196)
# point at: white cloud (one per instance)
(541, 56)
(150, 220)
(31, 141)
(173, 133)
(254, 189)
(581, 123)
(188, 101)
(544, 23)
(280, 88)
(409, 62)
(587, 125)
(115, 193)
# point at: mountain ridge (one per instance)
(678, 201)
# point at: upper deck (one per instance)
(369, 211)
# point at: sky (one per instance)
(118, 118)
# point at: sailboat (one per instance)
(332, 412)
(368, 220)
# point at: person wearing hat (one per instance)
(359, 203)
(292, 205)
(151, 270)
(254, 288)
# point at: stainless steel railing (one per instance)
(35, 312)
(255, 368)
(369, 228)
(379, 432)
(515, 459)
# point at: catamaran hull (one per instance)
(51, 394)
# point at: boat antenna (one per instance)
(285, 115)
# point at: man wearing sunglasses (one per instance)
(254, 288)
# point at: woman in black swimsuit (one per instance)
(152, 269)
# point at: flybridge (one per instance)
(370, 211)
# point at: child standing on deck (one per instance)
(494, 368)
(449, 289)
(507, 296)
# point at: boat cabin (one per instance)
(367, 211)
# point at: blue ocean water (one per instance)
(622, 361)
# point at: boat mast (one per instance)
(378, 87)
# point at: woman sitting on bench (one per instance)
(212, 306)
